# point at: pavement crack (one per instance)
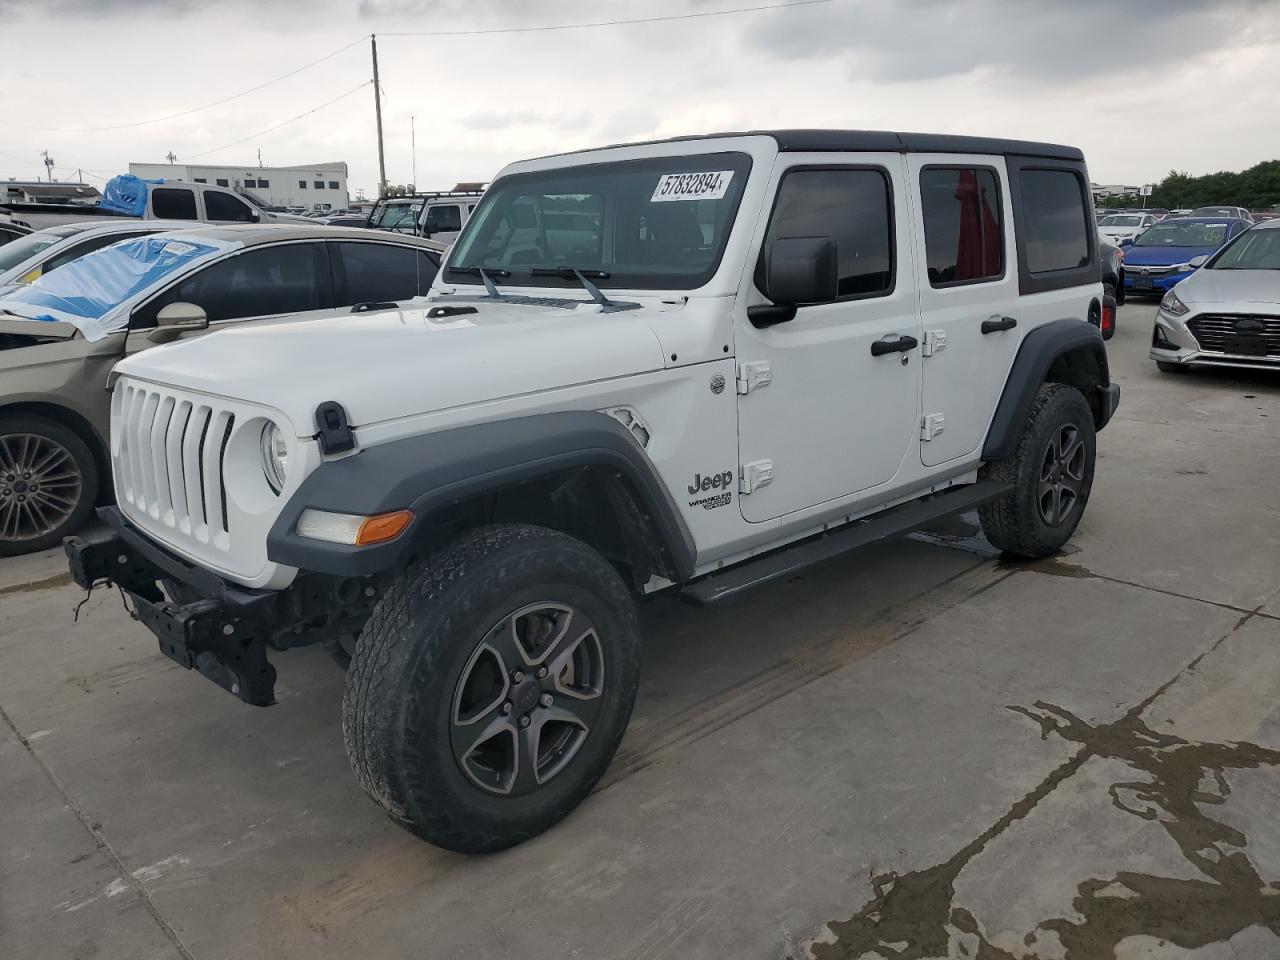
(914, 916)
(126, 878)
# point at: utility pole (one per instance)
(377, 109)
(413, 148)
(48, 164)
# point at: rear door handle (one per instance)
(893, 344)
(996, 324)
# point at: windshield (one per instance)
(1120, 221)
(85, 290)
(401, 217)
(1254, 250)
(12, 254)
(1183, 234)
(657, 224)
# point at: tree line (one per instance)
(1257, 188)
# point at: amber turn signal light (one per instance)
(384, 527)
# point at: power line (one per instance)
(605, 23)
(283, 123)
(188, 112)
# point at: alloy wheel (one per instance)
(1062, 471)
(40, 486)
(528, 698)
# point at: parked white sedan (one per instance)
(31, 257)
(1123, 228)
(1227, 313)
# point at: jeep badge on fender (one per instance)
(521, 435)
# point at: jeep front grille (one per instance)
(1212, 329)
(169, 460)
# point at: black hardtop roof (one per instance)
(883, 141)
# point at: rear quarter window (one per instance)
(1056, 221)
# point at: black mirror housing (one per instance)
(801, 270)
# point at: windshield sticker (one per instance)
(178, 248)
(710, 185)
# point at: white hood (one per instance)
(1231, 286)
(394, 363)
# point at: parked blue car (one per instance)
(1162, 255)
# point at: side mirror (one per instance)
(1195, 263)
(797, 270)
(176, 319)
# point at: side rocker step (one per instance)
(893, 522)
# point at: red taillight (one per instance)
(1108, 318)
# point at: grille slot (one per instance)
(1212, 329)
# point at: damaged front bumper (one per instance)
(223, 632)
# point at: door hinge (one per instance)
(754, 475)
(932, 426)
(935, 341)
(757, 373)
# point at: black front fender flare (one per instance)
(433, 471)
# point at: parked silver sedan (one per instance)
(60, 336)
(29, 257)
(1227, 313)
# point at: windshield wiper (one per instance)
(581, 277)
(486, 275)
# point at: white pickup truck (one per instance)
(170, 200)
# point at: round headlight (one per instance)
(275, 456)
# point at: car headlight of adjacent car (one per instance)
(1172, 304)
(275, 456)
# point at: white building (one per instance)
(312, 186)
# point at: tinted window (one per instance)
(447, 217)
(221, 206)
(1056, 220)
(168, 203)
(319, 184)
(333, 184)
(88, 246)
(281, 278)
(964, 239)
(7, 234)
(850, 206)
(380, 272)
(250, 183)
(264, 184)
(222, 182)
(302, 184)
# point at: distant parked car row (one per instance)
(88, 304)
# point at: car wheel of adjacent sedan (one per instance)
(48, 483)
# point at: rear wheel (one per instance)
(1051, 470)
(48, 483)
(491, 686)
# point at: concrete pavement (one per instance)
(917, 751)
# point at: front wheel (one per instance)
(48, 483)
(1051, 470)
(491, 686)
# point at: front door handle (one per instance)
(996, 324)
(893, 344)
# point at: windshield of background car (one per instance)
(1120, 222)
(1215, 212)
(1255, 250)
(1183, 234)
(86, 290)
(397, 216)
(660, 223)
(12, 254)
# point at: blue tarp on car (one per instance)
(127, 194)
(86, 291)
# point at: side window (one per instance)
(852, 207)
(223, 206)
(381, 272)
(263, 281)
(87, 246)
(444, 217)
(963, 226)
(173, 203)
(1055, 220)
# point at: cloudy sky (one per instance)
(1143, 87)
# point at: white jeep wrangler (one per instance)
(694, 365)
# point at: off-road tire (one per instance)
(1013, 523)
(53, 432)
(398, 703)
(1164, 366)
